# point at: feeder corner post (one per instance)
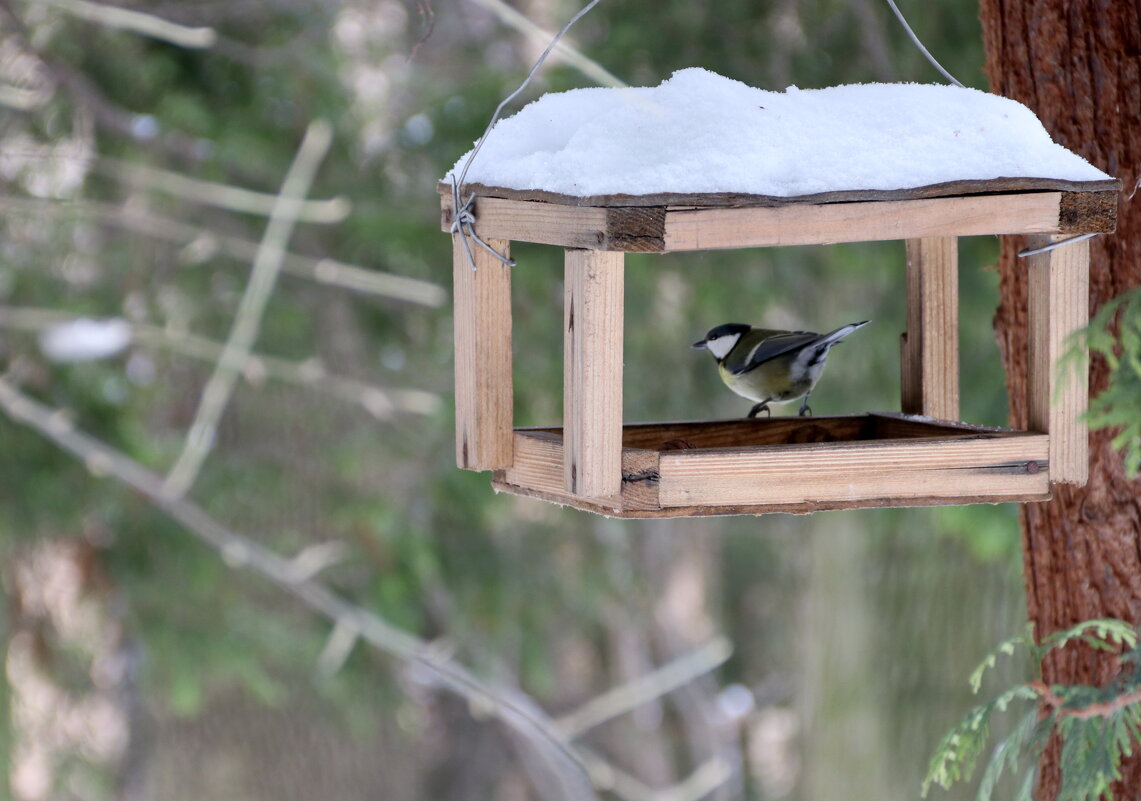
(593, 310)
(1057, 307)
(484, 393)
(929, 349)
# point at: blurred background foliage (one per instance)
(854, 632)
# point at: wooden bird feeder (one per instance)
(920, 456)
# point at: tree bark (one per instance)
(1077, 64)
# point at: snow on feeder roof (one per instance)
(700, 132)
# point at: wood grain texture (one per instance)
(994, 186)
(538, 470)
(802, 224)
(997, 467)
(710, 222)
(802, 508)
(925, 463)
(929, 358)
(484, 403)
(593, 308)
(1058, 305)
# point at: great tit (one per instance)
(769, 366)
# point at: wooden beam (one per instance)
(799, 224)
(854, 471)
(539, 470)
(592, 372)
(953, 464)
(656, 226)
(929, 361)
(1058, 305)
(484, 404)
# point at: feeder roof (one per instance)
(700, 132)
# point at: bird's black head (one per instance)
(720, 340)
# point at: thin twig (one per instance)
(568, 53)
(579, 769)
(428, 19)
(239, 551)
(247, 321)
(87, 95)
(225, 196)
(382, 403)
(137, 22)
(324, 271)
(627, 697)
(23, 99)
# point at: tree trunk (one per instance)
(1078, 66)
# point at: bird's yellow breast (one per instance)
(769, 381)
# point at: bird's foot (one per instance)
(805, 409)
(763, 406)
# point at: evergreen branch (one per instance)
(1098, 726)
(1103, 634)
(958, 751)
(1098, 709)
(1007, 753)
(1008, 647)
(1115, 334)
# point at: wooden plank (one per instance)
(799, 508)
(592, 372)
(484, 403)
(789, 221)
(1098, 194)
(929, 361)
(1058, 305)
(538, 470)
(629, 230)
(743, 432)
(855, 471)
(711, 229)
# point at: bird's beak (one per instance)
(698, 345)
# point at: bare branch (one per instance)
(137, 22)
(573, 57)
(642, 690)
(23, 99)
(87, 95)
(324, 271)
(428, 19)
(226, 196)
(382, 403)
(247, 321)
(239, 551)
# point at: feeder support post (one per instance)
(1058, 305)
(484, 400)
(929, 349)
(592, 372)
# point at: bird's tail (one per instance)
(832, 337)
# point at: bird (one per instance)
(770, 366)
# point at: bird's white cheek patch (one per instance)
(720, 346)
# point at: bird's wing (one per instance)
(768, 345)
